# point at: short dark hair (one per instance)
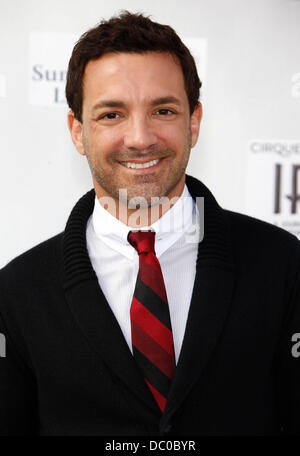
(134, 33)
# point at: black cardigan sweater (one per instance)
(69, 371)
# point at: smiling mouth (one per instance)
(135, 165)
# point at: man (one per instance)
(111, 329)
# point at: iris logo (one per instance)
(2, 346)
(294, 196)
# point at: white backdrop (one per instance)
(251, 95)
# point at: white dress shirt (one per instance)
(116, 262)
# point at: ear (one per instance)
(195, 123)
(75, 127)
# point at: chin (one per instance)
(143, 195)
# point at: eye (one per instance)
(165, 112)
(110, 116)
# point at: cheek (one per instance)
(174, 134)
(105, 141)
(173, 139)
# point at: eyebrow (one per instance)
(121, 104)
(166, 100)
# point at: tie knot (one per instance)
(142, 241)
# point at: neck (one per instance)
(139, 216)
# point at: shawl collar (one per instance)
(208, 309)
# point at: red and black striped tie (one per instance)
(151, 331)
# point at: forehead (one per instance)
(133, 75)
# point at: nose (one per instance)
(139, 133)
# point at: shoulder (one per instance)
(253, 227)
(38, 264)
(253, 237)
(29, 287)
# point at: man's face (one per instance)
(136, 128)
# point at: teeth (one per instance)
(140, 165)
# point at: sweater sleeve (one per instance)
(18, 404)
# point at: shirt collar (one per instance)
(169, 228)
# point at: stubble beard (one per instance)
(145, 192)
